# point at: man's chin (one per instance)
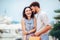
(34, 12)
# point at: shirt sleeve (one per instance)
(45, 20)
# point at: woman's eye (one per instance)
(27, 11)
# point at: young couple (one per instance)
(35, 22)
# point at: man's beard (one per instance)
(35, 12)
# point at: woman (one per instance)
(28, 23)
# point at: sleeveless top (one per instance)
(29, 24)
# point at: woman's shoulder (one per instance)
(34, 18)
(22, 19)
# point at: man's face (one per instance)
(33, 9)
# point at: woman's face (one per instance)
(28, 12)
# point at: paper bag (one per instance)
(34, 38)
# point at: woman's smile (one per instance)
(28, 12)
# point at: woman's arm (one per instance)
(23, 27)
(34, 29)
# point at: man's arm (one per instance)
(44, 30)
(46, 27)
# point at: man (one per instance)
(43, 25)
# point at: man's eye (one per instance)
(31, 9)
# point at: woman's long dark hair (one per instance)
(25, 16)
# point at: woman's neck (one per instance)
(29, 18)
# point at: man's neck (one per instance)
(38, 10)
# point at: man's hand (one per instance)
(37, 34)
(44, 30)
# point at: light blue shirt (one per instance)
(42, 21)
(29, 24)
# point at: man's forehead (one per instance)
(32, 6)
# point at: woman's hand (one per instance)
(25, 32)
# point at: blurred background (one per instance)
(11, 14)
(13, 8)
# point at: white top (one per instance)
(42, 20)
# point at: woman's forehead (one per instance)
(27, 9)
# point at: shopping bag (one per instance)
(34, 38)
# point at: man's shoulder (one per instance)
(43, 13)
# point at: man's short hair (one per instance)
(35, 4)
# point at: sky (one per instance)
(14, 8)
